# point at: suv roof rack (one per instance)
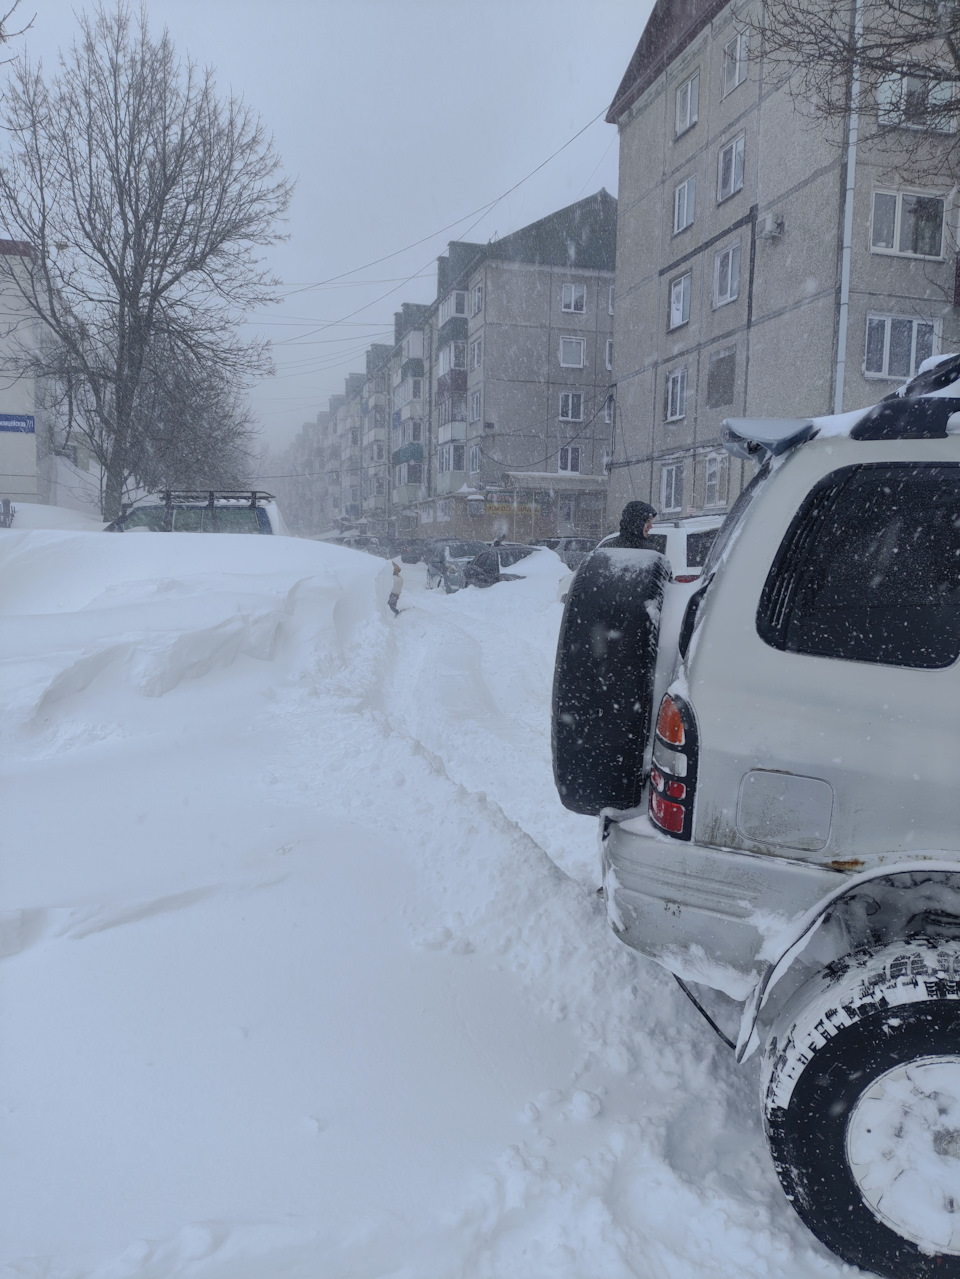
(253, 496)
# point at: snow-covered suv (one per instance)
(202, 511)
(781, 828)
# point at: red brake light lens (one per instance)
(669, 817)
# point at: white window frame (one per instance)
(671, 487)
(735, 150)
(676, 395)
(570, 401)
(608, 354)
(573, 298)
(733, 70)
(915, 322)
(476, 454)
(608, 406)
(476, 406)
(685, 204)
(900, 196)
(477, 299)
(572, 352)
(893, 99)
(568, 459)
(454, 303)
(611, 294)
(688, 103)
(680, 289)
(726, 275)
(715, 479)
(476, 353)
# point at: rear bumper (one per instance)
(710, 915)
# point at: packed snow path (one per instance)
(304, 969)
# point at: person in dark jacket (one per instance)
(635, 521)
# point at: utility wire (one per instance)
(482, 209)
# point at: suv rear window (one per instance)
(869, 570)
(698, 547)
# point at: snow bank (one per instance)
(304, 969)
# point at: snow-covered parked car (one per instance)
(780, 828)
(502, 563)
(202, 511)
(446, 558)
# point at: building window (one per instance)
(907, 223)
(574, 298)
(475, 406)
(680, 301)
(378, 483)
(354, 437)
(569, 458)
(609, 353)
(450, 457)
(453, 304)
(721, 378)
(475, 455)
(734, 63)
(453, 409)
(730, 169)
(572, 352)
(416, 388)
(897, 345)
(685, 204)
(715, 482)
(452, 356)
(610, 299)
(688, 103)
(476, 353)
(726, 275)
(379, 453)
(608, 409)
(671, 487)
(416, 430)
(571, 406)
(477, 299)
(676, 395)
(915, 100)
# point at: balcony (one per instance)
(452, 433)
(450, 482)
(411, 452)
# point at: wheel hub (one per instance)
(903, 1148)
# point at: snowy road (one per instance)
(304, 970)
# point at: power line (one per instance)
(482, 209)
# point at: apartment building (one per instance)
(521, 369)
(767, 263)
(491, 414)
(25, 469)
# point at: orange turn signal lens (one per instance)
(670, 723)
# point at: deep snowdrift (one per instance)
(304, 970)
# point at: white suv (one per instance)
(686, 543)
(781, 830)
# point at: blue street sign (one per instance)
(21, 422)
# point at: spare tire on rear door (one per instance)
(603, 679)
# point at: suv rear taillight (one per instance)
(673, 774)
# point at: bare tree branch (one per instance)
(144, 198)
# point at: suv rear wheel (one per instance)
(862, 1108)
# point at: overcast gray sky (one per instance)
(398, 118)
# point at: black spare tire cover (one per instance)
(603, 679)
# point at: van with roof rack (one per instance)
(202, 511)
(772, 752)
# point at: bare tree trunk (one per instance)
(144, 198)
